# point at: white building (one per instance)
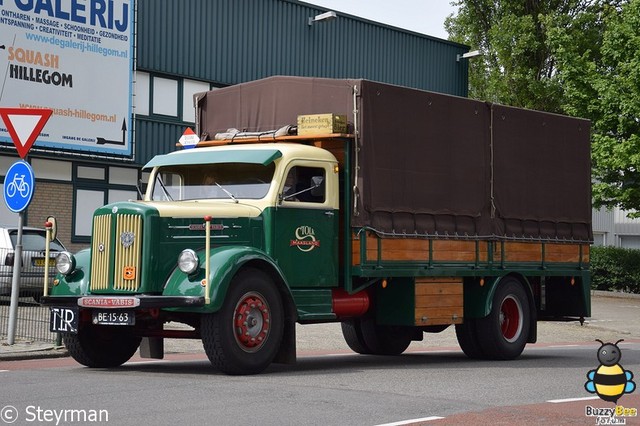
(614, 228)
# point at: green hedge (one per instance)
(615, 269)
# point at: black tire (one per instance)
(102, 346)
(246, 347)
(352, 333)
(468, 339)
(503, 334)
(382, 339)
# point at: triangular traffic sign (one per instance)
(24, 125)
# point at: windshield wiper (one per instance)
(164, 188)
(235, 200)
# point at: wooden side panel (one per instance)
(419, 250)
(566, 253)
(414, 249)
(533, 252)
(519, 252)
(439, 301)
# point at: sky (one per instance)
(422, 16)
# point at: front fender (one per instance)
(225, 263)
(76, 283)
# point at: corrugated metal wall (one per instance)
(233, 41)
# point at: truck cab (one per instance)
(290, 189)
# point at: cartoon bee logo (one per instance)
(609, 381)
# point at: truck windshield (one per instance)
(212, 181)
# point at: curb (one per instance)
(20, 355)
(614, 294)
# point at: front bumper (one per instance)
(143, 301)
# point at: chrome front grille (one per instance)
(127, 257)
(100, 249)
(118, 251)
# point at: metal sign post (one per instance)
(15, 285)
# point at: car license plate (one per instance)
(40, 262)
(63, 320)
(113, 317)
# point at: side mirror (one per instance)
(317, 186)
(54, 228)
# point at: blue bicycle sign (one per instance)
(18, 186)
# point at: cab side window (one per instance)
(305, 184)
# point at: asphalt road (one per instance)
(433, 383)
(322, 389)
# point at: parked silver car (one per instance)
(32, 265)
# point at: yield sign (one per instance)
(24, 125)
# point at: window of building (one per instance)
(190, 87)
(165, 96)
(95, 186)
(141, 97)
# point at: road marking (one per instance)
(146, 362)
(3, 371)
(559, 401)
(408, 422)
(563, 346)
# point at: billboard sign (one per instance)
(75, 58)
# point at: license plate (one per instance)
(40, 262)
(113, 317)
(64, 320)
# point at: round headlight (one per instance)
(65, 263)
(188, 261)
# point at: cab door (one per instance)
(306, 225)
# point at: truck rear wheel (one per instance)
(467, 336)
(102, 346)
(245, 335)
(366, 337)
(352, 333)
(503, 334)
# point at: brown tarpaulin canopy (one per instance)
(435, 164)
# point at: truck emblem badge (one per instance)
(126, 238)
(305, 239)
(129, 273)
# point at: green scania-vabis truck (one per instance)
(426, 211)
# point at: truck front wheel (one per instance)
(503, 334)
(245, 335)
(102, 346)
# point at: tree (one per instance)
(519, 66)
(605, 87)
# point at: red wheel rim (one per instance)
(511, 319)
(251, 321)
